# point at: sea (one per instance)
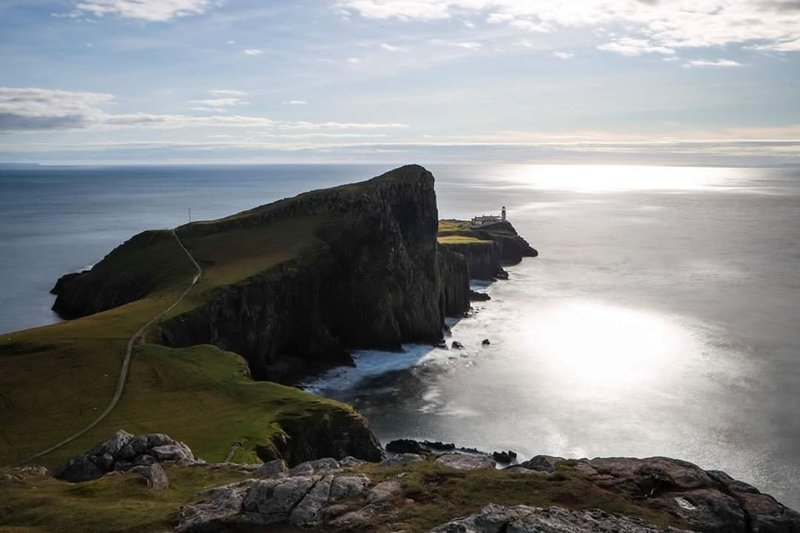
(661, 318)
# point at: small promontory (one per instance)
(488, 246)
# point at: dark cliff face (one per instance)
(501, 246)
(483, 260)
(131, 271)
(321, 436)
(375, 279)
(377, 282)
(454, 276)
(511, 247)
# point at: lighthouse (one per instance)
(503, 214)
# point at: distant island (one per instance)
(192, 340)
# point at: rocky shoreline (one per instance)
(550, 494)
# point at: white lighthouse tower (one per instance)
(503, 214)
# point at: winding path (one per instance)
(123, 373)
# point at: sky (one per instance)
(176, 81)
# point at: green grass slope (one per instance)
(54, 380)
(459, 232)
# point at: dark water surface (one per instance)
(660, 319)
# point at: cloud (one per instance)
(467, 45)
(779, 46)
(295, 102)
(341, 125)
(391, 48)
(147, 10)
(353, 60)
(630, 47)
(726, 63)
(220, 102)
(401, 9)
(563, 55)
(226, 92)
(252, 52)
(644, 26)
(35, 109)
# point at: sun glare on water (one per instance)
(618, 178)
(592, 342)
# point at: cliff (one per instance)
(364, 271)
(486, 248)
(140, 266)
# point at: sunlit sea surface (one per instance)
(661, 317)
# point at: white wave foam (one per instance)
(370, 363)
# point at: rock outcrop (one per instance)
(409, 490)
(707, 501)
(488, 248)
(333, 435)
(328, 494)
(125, 452)
(462, 461)
(483, 259)
(315, 493)
(123, 276)
(511, 247)
(525, 519)
(454, 276)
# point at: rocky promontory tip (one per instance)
(487, 243)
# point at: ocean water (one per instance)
(661, 317)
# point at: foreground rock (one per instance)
(521, 519)
(707, 501)
(328, 494)
(124, 452)
(318, 492)
(461, 461)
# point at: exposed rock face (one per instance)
(314, 437)
(154, 475)
(475, 296)
(108, 284)
(405, 446)
(123, 452)
(512, 247)
(502, 246)
(462, 461)
(328, 495)
(454, 276)
(376, 282)
(521, 519)
(217, 505)
(272, 469)
(710, 501)
(402, 459)
(317, 493)
(483, 260)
